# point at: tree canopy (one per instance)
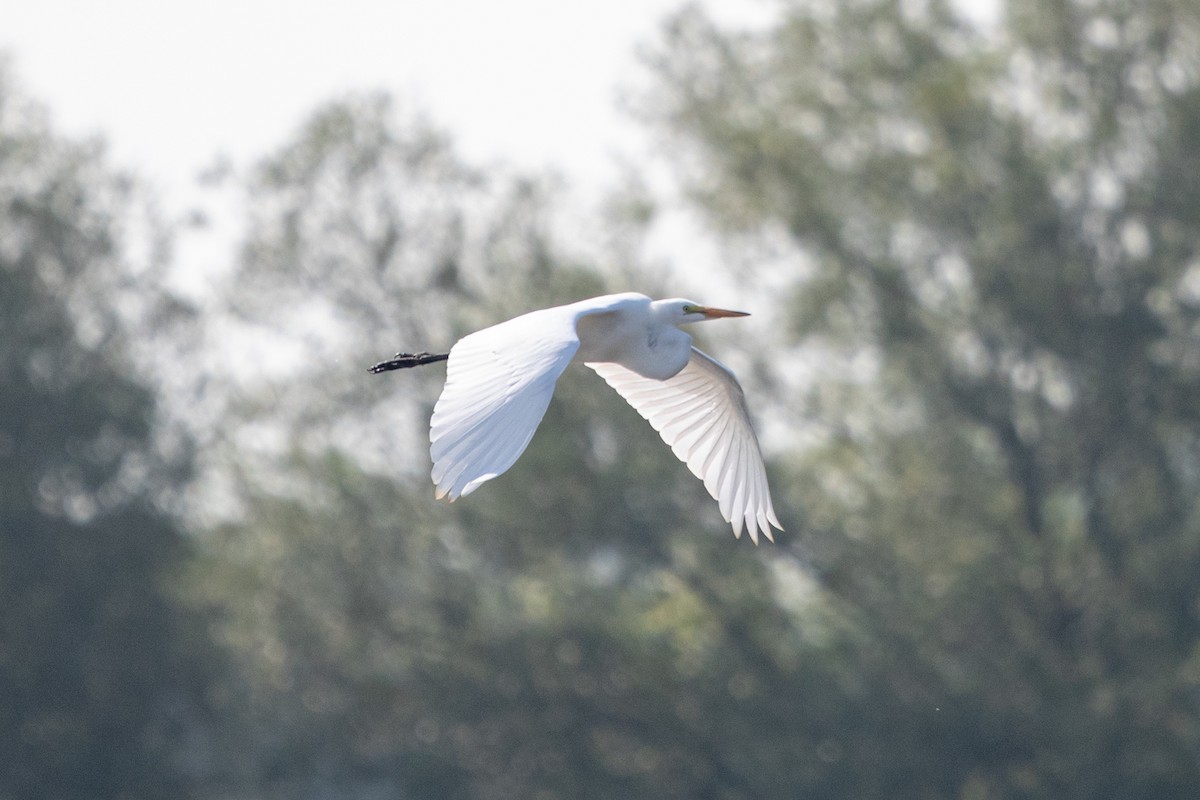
(102, 673)
(1000, 230)
(989, 586)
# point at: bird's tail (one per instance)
(406, 360)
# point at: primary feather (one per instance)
(701, 414)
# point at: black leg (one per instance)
(406, 360)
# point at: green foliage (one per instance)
(101, 674)
(513, 643)
(992, 591)
(1005, 226)
(989, 584)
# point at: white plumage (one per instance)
(701, 413)
(500, 380)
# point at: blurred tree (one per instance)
(998, 242)
(997, 276)
(102, 676)
(996, 239)
(527, 641)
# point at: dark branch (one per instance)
(406, 360)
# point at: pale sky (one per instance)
(534, 83)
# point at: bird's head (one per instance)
(682, 312)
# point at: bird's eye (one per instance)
(688, 308)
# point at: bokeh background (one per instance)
(971, 243)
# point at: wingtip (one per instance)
(755, 530)
(769, 520)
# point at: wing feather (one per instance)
(701, 414)
(499, 383)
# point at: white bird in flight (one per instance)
(500, 379)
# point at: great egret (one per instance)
(500, 379)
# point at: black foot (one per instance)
(406, 360)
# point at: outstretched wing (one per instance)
(498, 384)
(701, 413)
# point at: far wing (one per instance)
(701, 413)
(499, 382)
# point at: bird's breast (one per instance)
(652, 354)
(665, 354)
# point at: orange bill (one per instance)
(713, 313)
